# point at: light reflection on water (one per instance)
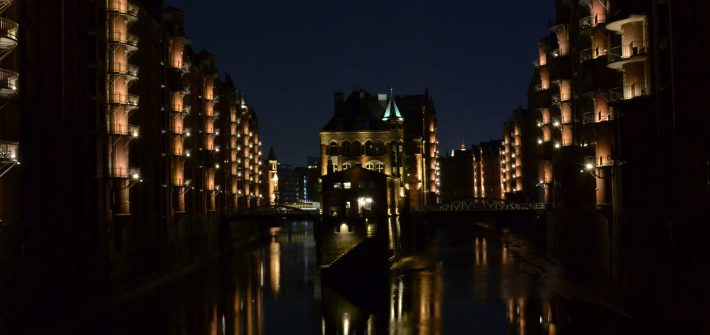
(464, 281)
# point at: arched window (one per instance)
(375, 166)
(345, 149)
(376, 148)
(332, 149)
(356, 148)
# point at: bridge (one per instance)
(485, 204)
(273, 213)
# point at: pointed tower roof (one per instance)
(392, 111)
(272, 156)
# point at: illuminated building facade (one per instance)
(518, 158)
(273, 180)
(127, 143)
(9, 113)
(391, 135)
(487, 181)
(621, 157)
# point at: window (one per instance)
(332, 149)
(346, 166)
(347, 185)
(337, 186)
(375, 166)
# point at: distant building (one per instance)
(487, 171)
(274, 180)
(375, 133)
(457, 175)
(518, 162)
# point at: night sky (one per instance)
(289, 57)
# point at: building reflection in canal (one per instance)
(462, 281)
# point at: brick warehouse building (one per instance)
(141, 147)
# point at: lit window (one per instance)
(347, 185)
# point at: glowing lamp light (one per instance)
(589, 166)
(539, 141)
(557, 145)
(136, 176)
(556, 123)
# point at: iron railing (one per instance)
(592, 21)
(8, 151)
(8, 29)
(626, 51)
(8, 79)
(122, 7)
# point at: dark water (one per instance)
(466, 280)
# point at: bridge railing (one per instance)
(272, 211)
(486, 204)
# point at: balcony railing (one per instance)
(591, 53)
(124, 99)
(628, 92)
(8, 151)
(185, 67)
(592, 21)
(125, 172)
(588, 118)
(626, 51)
(123, 38)
(8, 30)
(124, 129)
(8, 82)
(125, 69)
(123, 7)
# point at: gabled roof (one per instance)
(360, 111)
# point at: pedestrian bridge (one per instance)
(273, 213)
(486, 205)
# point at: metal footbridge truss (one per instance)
(486, 204)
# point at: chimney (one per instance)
(382, 100)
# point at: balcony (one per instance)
(130, 11)
(591, 54)
(628, 53)
(590, 22)
(8, 82)
(123, 172)
(615, 25)
(128, 70)
(185, 67)
(179, 152)
(8, 156)
(129, 100)
(8, 34)
(128, 40)
(8, 152)
(119, 129)
(628, 92)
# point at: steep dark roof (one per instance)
(360, 111)
(272, 156)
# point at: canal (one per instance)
(467, 279)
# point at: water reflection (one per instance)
(464, 280)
